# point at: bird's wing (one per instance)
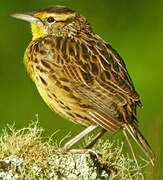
(112, 69)
(99, 74)
(97, 60)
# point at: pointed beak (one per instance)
(29, 17)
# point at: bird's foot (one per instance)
(85, 150)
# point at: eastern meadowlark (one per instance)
(80, 76)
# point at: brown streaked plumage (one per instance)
(80, 76)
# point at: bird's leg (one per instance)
(95, 139)
(70, 143)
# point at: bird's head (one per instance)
(54, 20)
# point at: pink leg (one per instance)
(70, 143)
(95, 139)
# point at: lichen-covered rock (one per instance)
(25, 155)
(60, 166)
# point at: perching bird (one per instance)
(80, 76)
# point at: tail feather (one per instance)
(127, 138)
(140, 140)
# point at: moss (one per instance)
(25, 154)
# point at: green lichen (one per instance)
(25, 154)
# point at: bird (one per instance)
(80, 76)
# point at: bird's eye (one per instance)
(50, 19)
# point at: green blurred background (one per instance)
(133, 28)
